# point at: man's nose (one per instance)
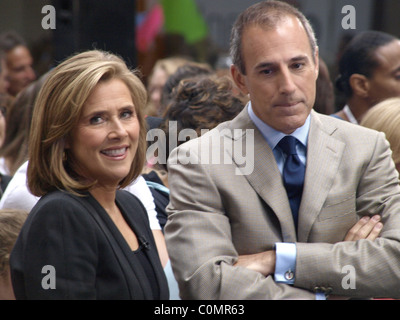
(286, 82)
(30, 73)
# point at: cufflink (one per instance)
(289, 275)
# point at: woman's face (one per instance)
(2, 126)
(156, 86)
(105, 141)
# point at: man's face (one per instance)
(281, 74)
(385, 81)
(20, 72)
(4, 84)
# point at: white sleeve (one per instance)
(17, 194)
(140, 189)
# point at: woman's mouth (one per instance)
(115, 152)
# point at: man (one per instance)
(369, 73)
(19, 62)
(4, 84)
(235, 234)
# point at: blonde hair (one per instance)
(385, 117)
(57, 111)
(169, 65)
(11, 222)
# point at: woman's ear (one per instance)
(359, 85)
(67, 144)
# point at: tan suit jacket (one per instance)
(216, 214)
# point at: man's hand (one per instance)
(263, 262)
(365, 228)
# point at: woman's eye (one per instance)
(126, 114)
(96, 120)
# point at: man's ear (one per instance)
(316, 59)
(359, 85)
(239, 79)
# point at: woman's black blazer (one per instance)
(69, 248)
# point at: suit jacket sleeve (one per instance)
(199, 239)
(61, 236)
(376, 264)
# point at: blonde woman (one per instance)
(87, 142)
(158, 77)
(385, 117)
(11, 222)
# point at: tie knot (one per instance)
(288, 145)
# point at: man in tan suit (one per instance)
(231, 233)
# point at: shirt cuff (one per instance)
(320, 296)
(285, 265)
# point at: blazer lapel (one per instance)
(265, 178)
(324, 154)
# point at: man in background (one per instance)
(19, 62)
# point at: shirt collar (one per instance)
(273, 136)
(349, 114)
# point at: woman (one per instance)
(14, 150)
(11, 222)
(85, 238)
(385, 117)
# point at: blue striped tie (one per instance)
(293, 174)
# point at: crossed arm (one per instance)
(264, 262)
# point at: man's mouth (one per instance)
(287, 104)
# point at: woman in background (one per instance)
(11, 222)
(385, 117)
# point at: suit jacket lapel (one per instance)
(265, 179)
(324, 154)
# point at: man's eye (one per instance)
(298, 65)
(266, 71)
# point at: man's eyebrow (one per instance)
(263, 65)
(300, 57)
(267, 64)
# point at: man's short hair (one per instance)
(266, 14)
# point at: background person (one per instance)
(162, 69)
(14, 151)
(11, 222)
(19, 62)
(369, 69)
(195, 104)
(4, 83)
(385, 117)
